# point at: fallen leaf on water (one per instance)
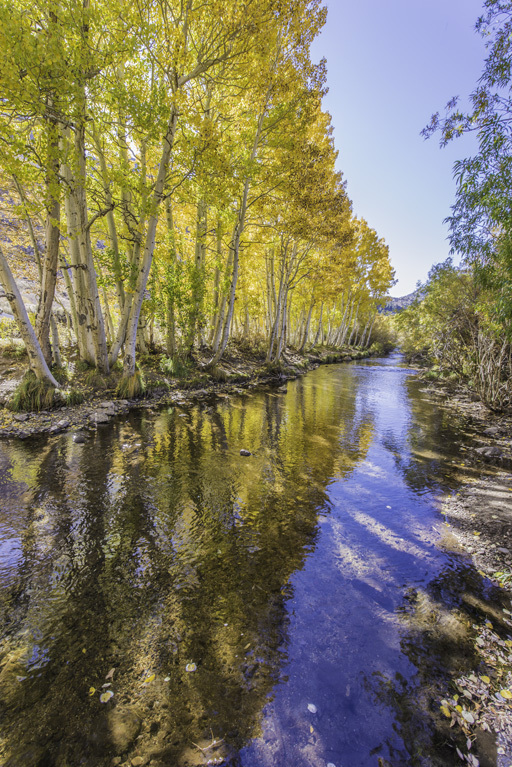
(110, 674)
(150, 678)
(312, 708)
(92, 690)
(485, 679)
(446, 711)
(468, 716)
(105, 696)
(311, 728)
(506, 694)
(191, 667)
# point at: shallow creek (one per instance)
(167, 601)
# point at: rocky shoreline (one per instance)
(477, 526)
(103, 406)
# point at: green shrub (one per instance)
(131, 387)
(73, 397)
(32, 394)
(60, 374)
(177, 367)
(15, 350)
(95, 380)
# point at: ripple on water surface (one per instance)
(165, 598)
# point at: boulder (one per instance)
(489, 452)
(99, 416)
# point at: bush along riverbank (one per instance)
(88, 399)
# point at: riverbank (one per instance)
(98, 402)
(477, 526)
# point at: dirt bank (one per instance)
(477, 526)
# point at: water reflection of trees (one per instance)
(426, 464)
(438, 639)
(153, 546)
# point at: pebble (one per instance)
(503, 550)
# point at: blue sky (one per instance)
(391, 64)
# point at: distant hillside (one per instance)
(395, 305)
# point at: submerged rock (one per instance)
(244, 452)
(124, 725)
(489, 452)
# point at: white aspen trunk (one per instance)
(319, 329)
(363, 334)
(354, 322)
(368, 338)
(94, 309)
(349, 320)
(57, 359)
(149, 246)
(111, 224)
(278, 311)
(235, 243)
(82, 328)
(221, 314)
(216, 287)
(308, 323)
(271, 291)
(198, 275)
(36, 358)
(170, 335)
(339, 335)
(282, 330)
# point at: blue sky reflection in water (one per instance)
(289, 606)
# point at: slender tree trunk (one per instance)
(370, 331)
(56, 358)
(145, 266)
(36, 358)
(319, 329)
(170, 320)
(111, 224)
(306, 329)
(347, 325)
(354, 323)
(235, 244)
(198, 274)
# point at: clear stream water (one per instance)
(292, 609)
